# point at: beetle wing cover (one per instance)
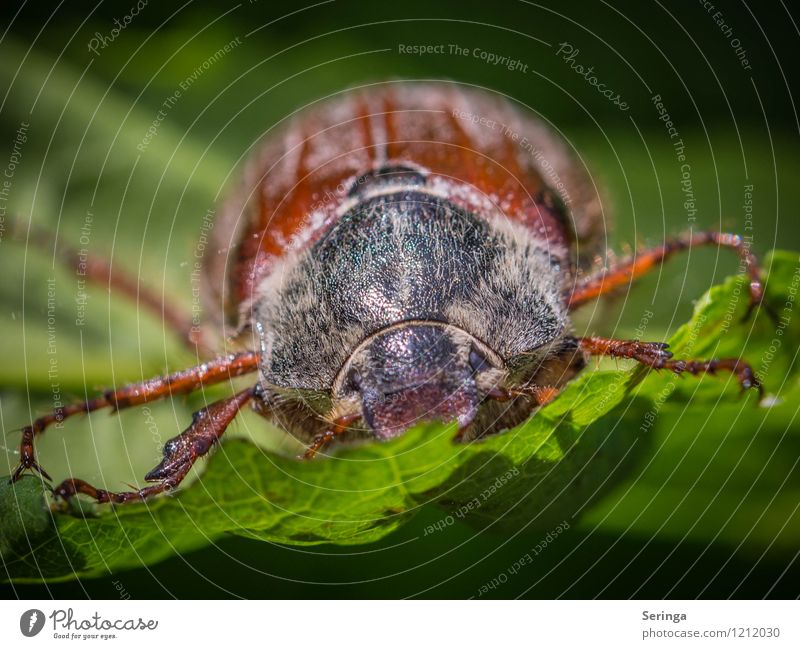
(477, 147)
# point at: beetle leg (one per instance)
(339, 426)
(183, 382)
(180, 453)
(605, 281)
(98, 270)
(541, 394)
(320, 441)
(657, 356)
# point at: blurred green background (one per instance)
(725, 520)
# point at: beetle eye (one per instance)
(353, 381)
(478, 361)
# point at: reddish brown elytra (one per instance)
(398, 253)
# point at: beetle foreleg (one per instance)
(541, 395)
(322, 440)
(537, 395)
(625, 272)
(657, 356)
(180, 453)
(136, 394)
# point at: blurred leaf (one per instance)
(83, 177)
(547, 470)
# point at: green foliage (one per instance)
(653, 456)
(550, 468)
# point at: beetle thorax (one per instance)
(400, 257)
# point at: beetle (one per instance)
(401, 252)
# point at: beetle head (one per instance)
(413, 372)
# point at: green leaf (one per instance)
(659, 457)
(721, 470)
(550, 469)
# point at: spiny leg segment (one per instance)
(183, 382)
(180, 453)
(336, 428)
(658, 357)
(541, 395)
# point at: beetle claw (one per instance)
(28, 464)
